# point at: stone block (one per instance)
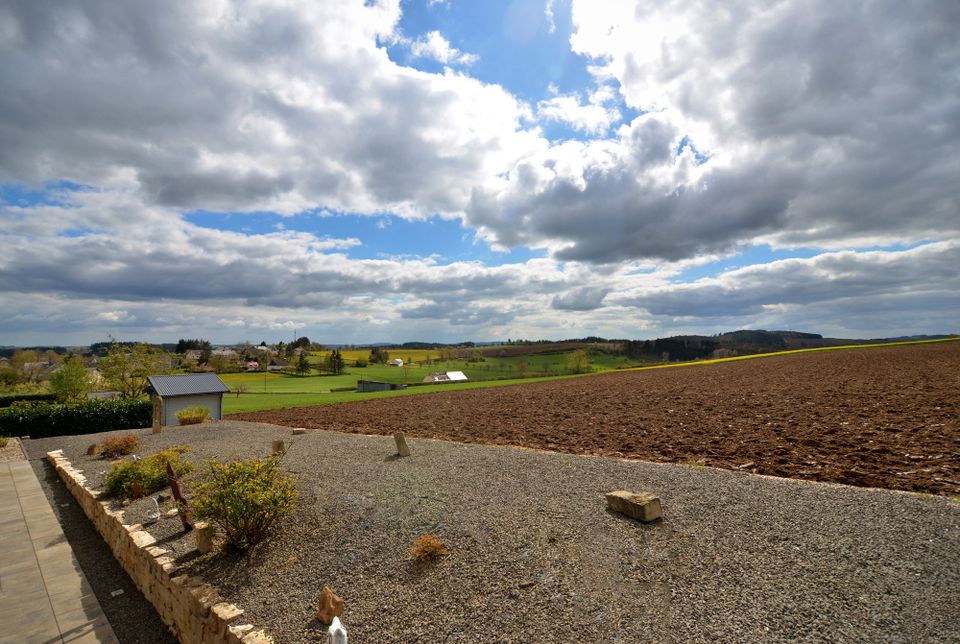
(330, 606)
(257, 637)
(299, 431)
(401, 442)
(204, 535)
(241, 629)
(226, 611)
(637, 505)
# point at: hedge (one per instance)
(8, 399)
(88, 417)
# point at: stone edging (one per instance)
(190, 607)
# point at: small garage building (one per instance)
(187, 390)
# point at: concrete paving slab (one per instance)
(44, 596)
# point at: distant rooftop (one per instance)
(187, 384)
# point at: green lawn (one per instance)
(233, 404)
(280, 390)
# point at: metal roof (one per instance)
(187, 384)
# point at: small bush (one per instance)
(244, 498)
(192, 415)
(119, 445)
(428, 547)
(7, 400)
(361, 363)
(3, 441)
(150, 473)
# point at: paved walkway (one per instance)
(44, 597)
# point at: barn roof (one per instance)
(187, 384)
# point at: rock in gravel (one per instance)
(93, 450)
(299, 431)
(204, 534)
(401, 442)
(642, 506)
(330, 606)
(277, 447)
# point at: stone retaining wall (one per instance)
(193, 609)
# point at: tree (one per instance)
(126, 368)
(187, 345)
(71, 381)
(9, 376)
(379, 356)
(21, 357)
(579, 362)
(303, 365)
(335, 363)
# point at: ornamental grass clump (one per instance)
(244, 498)
(192, 415)
(119, 445)
(128, 479)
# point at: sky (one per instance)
(384, 171)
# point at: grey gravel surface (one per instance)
(536, 557)
(12, 451)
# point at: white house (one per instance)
(186, 390)
(446, 376)
(396, 362)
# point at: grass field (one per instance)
(280, 391)
(233, 404)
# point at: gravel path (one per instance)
(12, 451)
(535, 556)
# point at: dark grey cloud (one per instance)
(586, 298)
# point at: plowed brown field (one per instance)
(887, 417)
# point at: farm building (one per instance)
(187, 390)
(446, 376)
(396, 362)
(103, 395)
(373, 385)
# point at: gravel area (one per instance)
(12, 451)
(536, 557)
(881, 417)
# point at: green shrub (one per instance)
(88, 417)
(8, 399)
(192, 415)
(150, 473)
(244, 498)
(119, 445)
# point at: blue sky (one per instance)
(376, 171)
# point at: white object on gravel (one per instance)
(153, 515)
(336, 634)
